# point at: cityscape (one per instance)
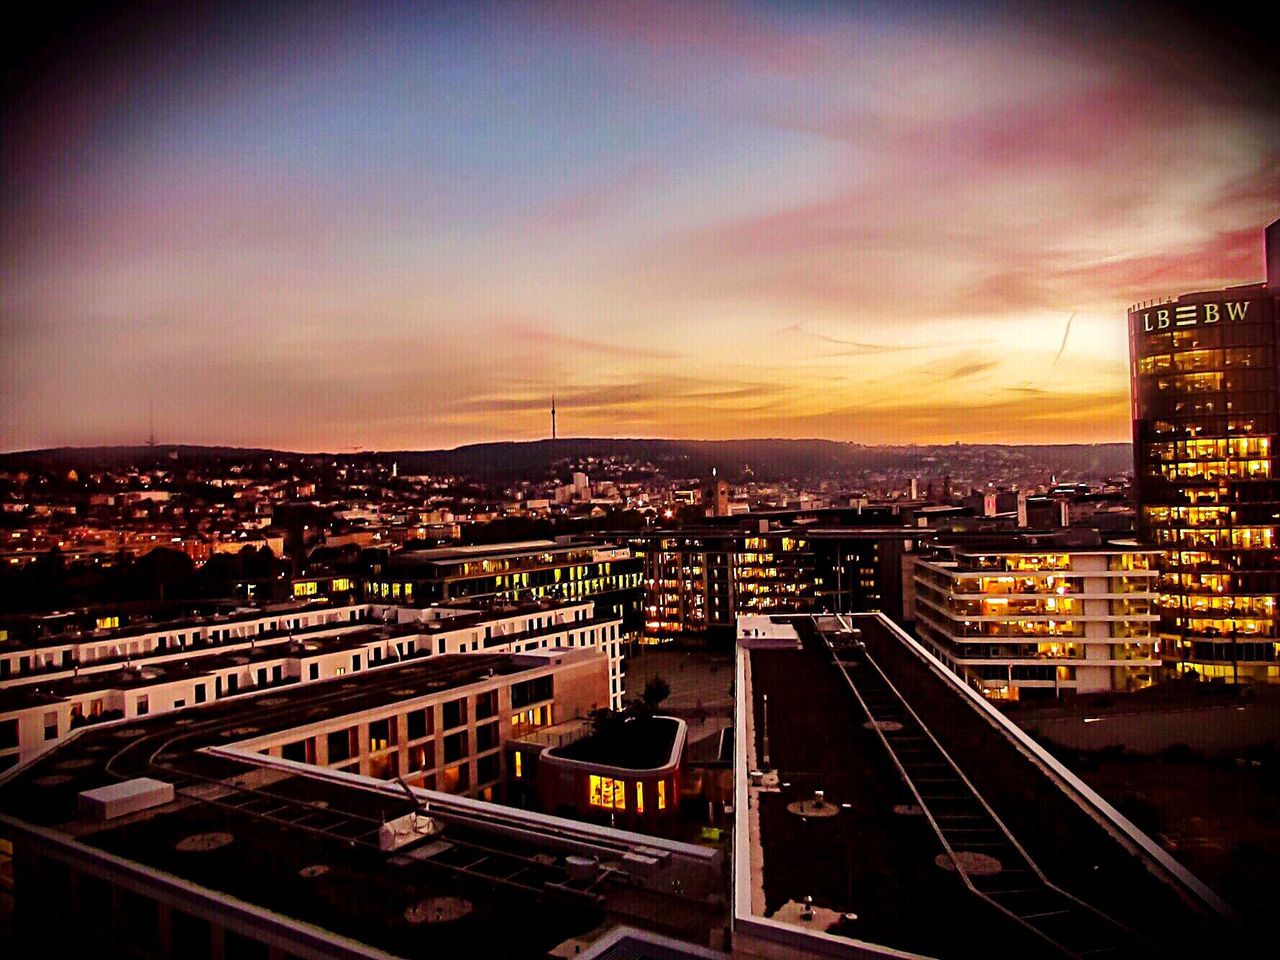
(660, 480)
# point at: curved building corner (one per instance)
(1205, 385)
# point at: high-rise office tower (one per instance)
(1205, 375)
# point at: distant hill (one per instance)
(733, 459)
(769, 459)
(123, 456)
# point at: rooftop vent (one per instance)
(203, 842)
(582, 869)
(119, 799)
(437, 910)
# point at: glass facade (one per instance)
(1206, 414)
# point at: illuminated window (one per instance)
(662, 794)
(608, 793)
(341, 584)
(382, 734)
(457, 779)
(639, 796)
(105, 623)
(519, 764)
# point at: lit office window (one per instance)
(608, 793)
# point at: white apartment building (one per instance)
(1037, 621)
(132, 673)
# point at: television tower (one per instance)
(553, 416)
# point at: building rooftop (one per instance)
(519, 548)
(214, 620)
(102, 753)
(1024, 863)
(303, 842)
(638, 743)
(1244, 289)
(289, 642)
(26, 692)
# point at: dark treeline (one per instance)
(52, 582)
(735, 460)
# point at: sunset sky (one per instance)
(330, 226)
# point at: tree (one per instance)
(606, 724)
(655, 691)
(161, 574)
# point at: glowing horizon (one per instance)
(391, 227)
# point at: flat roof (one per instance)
(521, 548)
(999, 549)
(101, 752)
(215, 620)
(873, 853)
(207, 662)
(27, 690)
(303, 842)
(637, 743)
(877, 531)
(1242, 289)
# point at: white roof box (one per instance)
(119, 799)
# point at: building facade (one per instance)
(451, 739)
(577, 776)
(864, 569)
(1205, 372)
(696, 582)
(185, 663)
(507, 572)
(1027, 622)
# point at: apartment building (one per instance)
(172, 669)
(698, 581)
(1021, 621)
(274, 828)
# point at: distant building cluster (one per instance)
(318, 707)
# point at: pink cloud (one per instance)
(530, 334)
(588, 202)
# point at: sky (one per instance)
(339, 226)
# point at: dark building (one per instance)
(1206, 414)
(505, 572)
(697, 581)
(715, 498)
(861, 569)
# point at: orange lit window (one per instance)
(662, 794)
(608, 793)
(519, 765)
(639, 796)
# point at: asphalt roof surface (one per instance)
(865, 859)
(880, 864)
(522, 902)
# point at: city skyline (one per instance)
(392, 228)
